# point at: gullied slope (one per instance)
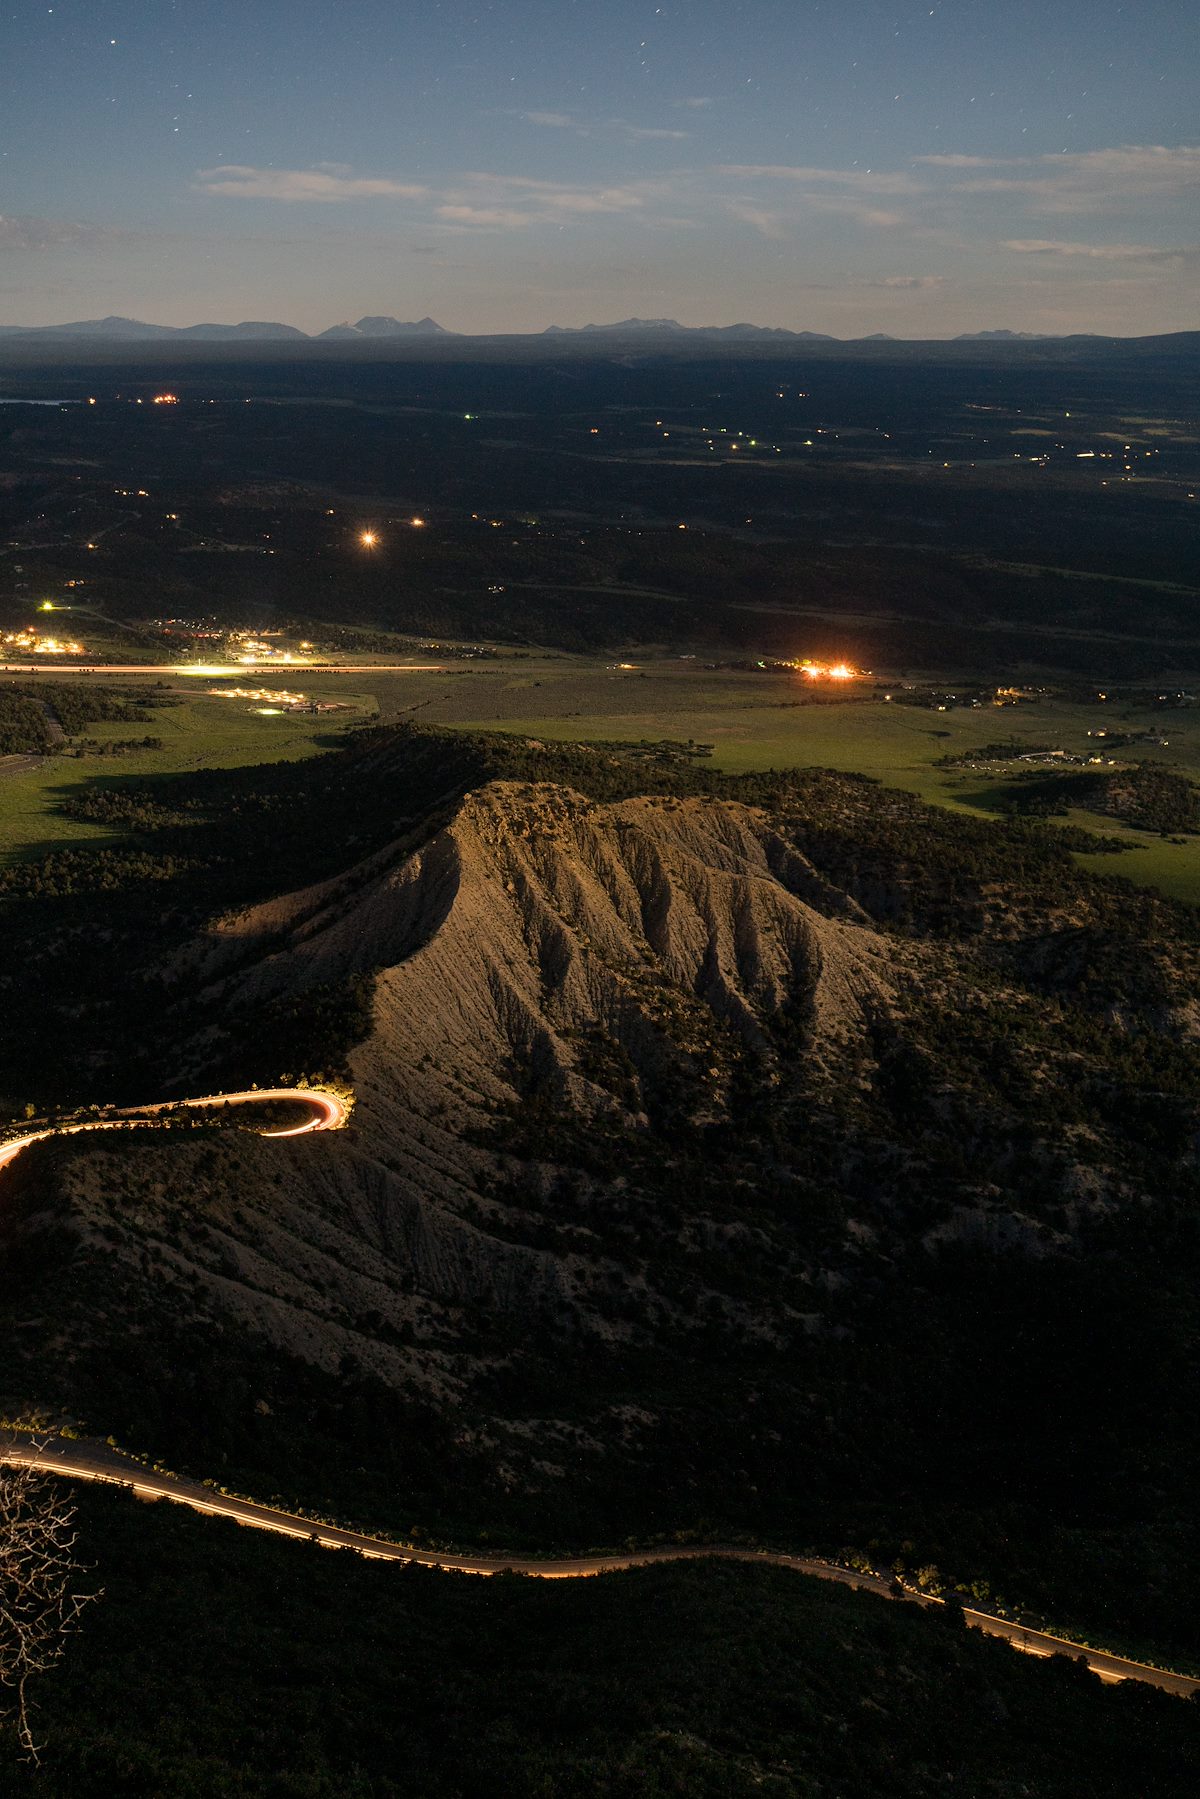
(541, 956)
(537, 914)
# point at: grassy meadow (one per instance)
(752, 720)
(200, 732)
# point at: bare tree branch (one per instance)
(39, 1604)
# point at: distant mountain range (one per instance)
(1022, 337)
(387, 327)
(250, 330)
(378, 329)
(672, 328)
(121, 330)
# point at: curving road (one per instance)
(88, 1459)
(329, 1113)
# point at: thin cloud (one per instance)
(515, 202)
(956, 161)
(860, 195)
(567, 121)
(858, 210)
(637, 132)
(877, 181)
(778, 202)
(26, 232)
(475, 199)
(775, 226)
(917, 283)
(557, 196)
(695, 102)
(555, 121)
(1073, 182)
(1084, 180)
(322, 184)
(1038, 246)
(497, 217)
(877, 216)
(887, 283)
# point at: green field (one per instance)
(201, 732)
(752, 721)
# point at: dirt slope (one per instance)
(540, 953)
(537, 914)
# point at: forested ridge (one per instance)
(26, 712)
(225, 1665)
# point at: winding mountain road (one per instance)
(329, 1113)
(89, 1459)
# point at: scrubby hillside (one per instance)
(356, 1680)
(618, 967)
(816, 1168)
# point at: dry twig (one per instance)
(39, 1606)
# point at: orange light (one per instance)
(368, 540)
(33, 643)
(271, 697)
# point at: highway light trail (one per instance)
(329, 1113)
(95, 1461)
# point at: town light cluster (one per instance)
(280, 697)
(250, 647)
(34, 643)
(827, 671)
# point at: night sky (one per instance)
(837, 165)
